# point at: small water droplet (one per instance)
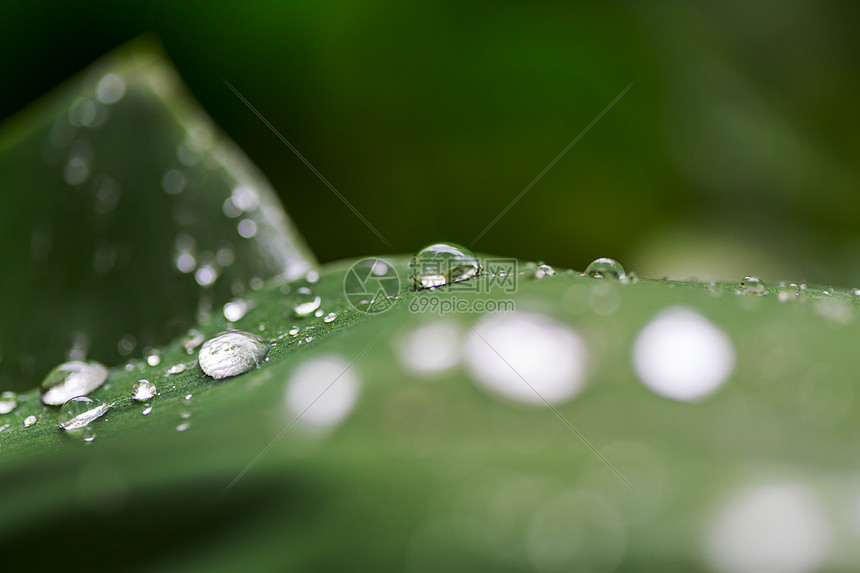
(80, 411)
(206, 275)
(294, 331)
(247, 228)
(126, 344)
(8, 402)
(312, 277)
(173, 182)
(192, 340)
(88, 434)
(185, 415)
(306, 302)
(236, 309)
(753, 285)
(146, 411)
(442, 264)
(143, 390)
(225, 256)
(319, 312)
(605, 268)
(183, 426)
(330, 317)
(245, 198)
(29, 421)
(110, 89)
(72, 379)
(154, 359)
(232, 353)
(189, 396)
(176, 368)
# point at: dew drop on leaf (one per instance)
(441, 264)
(72, 379)
(143, 390)
(79, 411)
(232, 353)
(306, 302)
(8, 402)
(236, 309)
(605, 268)
(753, 285)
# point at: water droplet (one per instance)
(183, 426)
(147, 411)
(330, 317)
(225, 256)
(753, 285)
(189, 396)
(29, 421)
(154, 359)
(88, 434)
(681, 355)
(72, 379)
(8, 402)
(322, 391)
(77, 170)
(294, 331)
(143, 390)
(788, 292)
(605, 268)
(771, 527)
(527, 357)
(306, 302)
(312, 277)
(206, 275)
(245, 198)
(232, 353)
(430, 348)
(176, 368)
(443, 263)
(236, 309)
(110, 89)
(247, 228)
(82, 112)
(80, 411)
(319, 312)
(173, 182)
(192, 340)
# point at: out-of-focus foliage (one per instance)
(735, 153)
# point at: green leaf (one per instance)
(108, 188)
(416, 474)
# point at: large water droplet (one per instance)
(143, 390)
(605, 268)
(753, 285)
(306, 302)
(8, 402)
(72, 379)
(232, 353)
(527, 357)
(80, 411)
(681, 355)
(443, 263)
(322, 391)
(236, 309)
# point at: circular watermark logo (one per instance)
(371, 285)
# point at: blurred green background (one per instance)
(735, 153)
